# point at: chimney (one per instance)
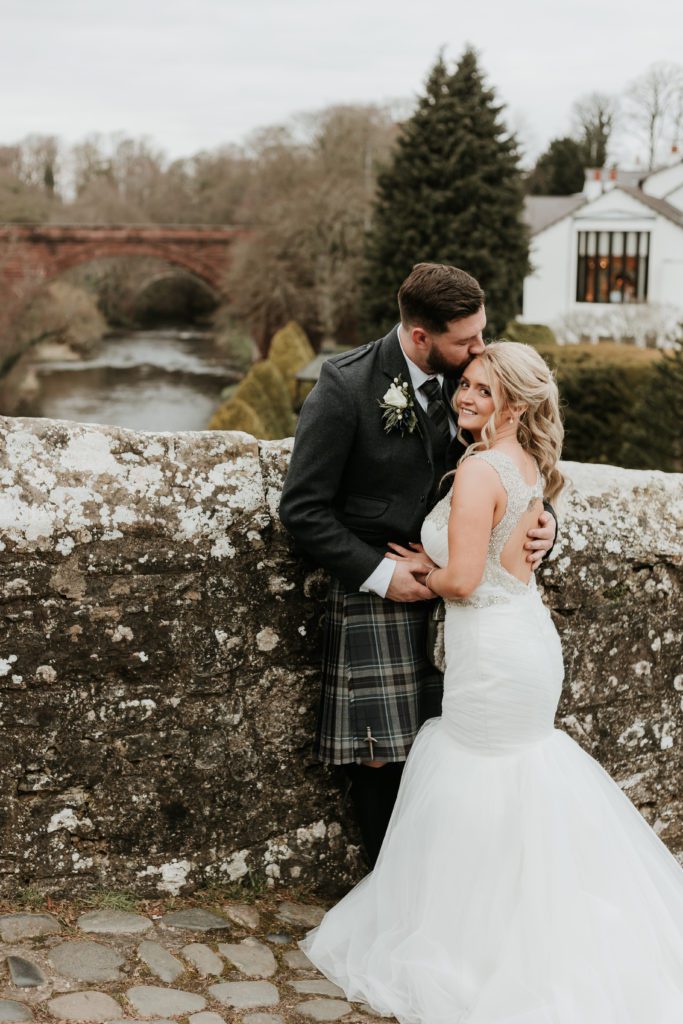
(593, 186)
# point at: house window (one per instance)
(612, 266)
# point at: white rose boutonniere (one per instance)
(398, 408)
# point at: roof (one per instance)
(660, 206)
(642, 178)
(540, 212)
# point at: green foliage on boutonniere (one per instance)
(398, 408)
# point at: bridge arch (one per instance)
(42, 252)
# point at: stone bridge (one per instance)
(159, 648)
(40, 252)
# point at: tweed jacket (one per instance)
(352, 487)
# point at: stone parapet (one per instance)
(160, 646)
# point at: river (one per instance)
(164, 379)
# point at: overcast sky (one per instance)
(195, 75)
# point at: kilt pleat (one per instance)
(376, 676)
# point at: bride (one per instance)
(516, 884)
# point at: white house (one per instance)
(609, 261)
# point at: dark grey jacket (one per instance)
(351, 487)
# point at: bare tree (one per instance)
(651, 103)
(594, 117)
(311, 188)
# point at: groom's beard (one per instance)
(438, 364)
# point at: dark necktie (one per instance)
(436, 407)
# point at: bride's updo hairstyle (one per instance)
(520, 379)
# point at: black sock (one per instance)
(368, 796)
(373, 794)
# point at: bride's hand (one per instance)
(415, 557)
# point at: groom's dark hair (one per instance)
(434, 294)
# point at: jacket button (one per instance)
(422, 498)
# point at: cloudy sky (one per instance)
(194, 75)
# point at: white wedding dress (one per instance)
(517, 884)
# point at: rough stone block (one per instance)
(243, 995)
(301, 914)
(195, 919)
(251, 957)
(162, 963)
(113, 922)
(24, 973)
(17, 927)
(323, 1009)
(172, 1002)
(84, 1006)
(11, 1010)
(317, 987)
(86, 961)
(203, 958)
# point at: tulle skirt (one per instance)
(516, 886)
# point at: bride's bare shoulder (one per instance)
(475, 478)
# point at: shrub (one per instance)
(598, 402)
(236, 415)
(63, 313)
(290, 350)
(265, 391)
(540, 336)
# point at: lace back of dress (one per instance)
(520, 497)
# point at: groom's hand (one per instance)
(540, 539)
(405, 586)
(412, 565)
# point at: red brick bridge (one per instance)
(34, 253)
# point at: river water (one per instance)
(165, 379)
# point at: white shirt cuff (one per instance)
(379, 580)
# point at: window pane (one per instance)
(632, 244)
(630, 278)
(590, 279)
(604, 243)
(603, 280)
(644, 247)
(582, 243)
(642, 279)
(618, 243)
(590, 243)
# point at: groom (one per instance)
(375, 437)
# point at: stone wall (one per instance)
(159, 659)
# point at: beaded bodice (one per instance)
(497, 584)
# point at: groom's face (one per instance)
(450, 352)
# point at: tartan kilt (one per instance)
(376, 676)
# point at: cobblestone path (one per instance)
(216, 963)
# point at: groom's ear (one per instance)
(418, 336)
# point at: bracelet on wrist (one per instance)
(427, 578)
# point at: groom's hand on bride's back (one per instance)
(540, 540)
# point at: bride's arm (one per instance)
(476, 493)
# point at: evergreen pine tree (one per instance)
(453, 194)
(559, 171)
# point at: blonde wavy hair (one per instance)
(520, 379)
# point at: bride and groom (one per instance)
(516, 884)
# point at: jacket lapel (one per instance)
(393, 364)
